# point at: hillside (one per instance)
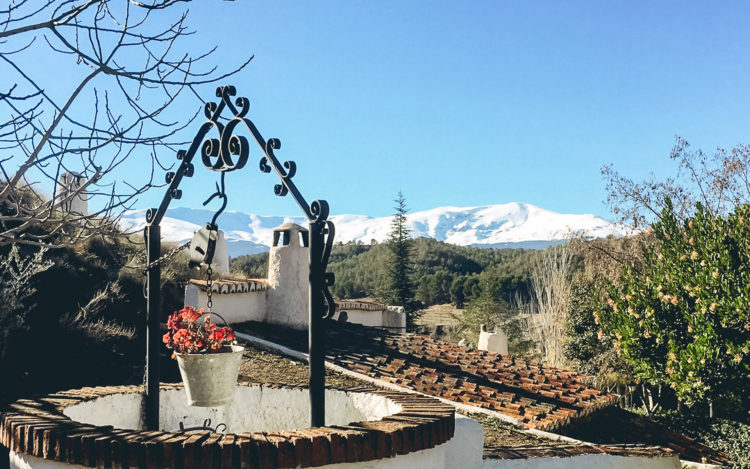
(443, 273)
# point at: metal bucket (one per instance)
(210, 378)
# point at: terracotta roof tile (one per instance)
(360, 305)
(615, 424)
(232, 286)
(540, 397)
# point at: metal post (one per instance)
(315, 328)
(153, 279)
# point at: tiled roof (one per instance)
(232, 286)
(540, 397)
(360, 305)
(619, 425)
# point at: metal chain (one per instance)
(159, 261)
(209, 285)
(166, 257)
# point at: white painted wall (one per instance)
(394, 316)
(70, 183)
(254, 409)
(288, 281)
(118, 410)
(234, 307)
(24, 461)
(384, 318)
(586, 461)
(464, 450)
(366, 318)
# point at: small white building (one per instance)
(371, 313)
(282, 298)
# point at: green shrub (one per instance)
(723, 434)
(683, 320)
(586, 348)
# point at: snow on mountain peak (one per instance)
(515, 224)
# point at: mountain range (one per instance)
(511, 225)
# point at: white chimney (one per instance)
(77, 205)
(493, 341)
(289, 277)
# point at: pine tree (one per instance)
(400, 289)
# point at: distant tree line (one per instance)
(443, 273)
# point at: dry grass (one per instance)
(259, 366)
(500, 433)
(439, 315)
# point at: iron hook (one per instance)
(221, 193)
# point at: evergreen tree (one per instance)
(400, 286)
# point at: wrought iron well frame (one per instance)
(228, 153)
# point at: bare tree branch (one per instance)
(130, 74)
(719, 182)
(548, 308)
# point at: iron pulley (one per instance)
(203, 245)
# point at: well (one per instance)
(265, 428)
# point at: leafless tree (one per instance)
(548, 307)
(113, 71)
(604, 258)
(720, 182)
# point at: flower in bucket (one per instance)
(192, 331)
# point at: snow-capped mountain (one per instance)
(515, 225)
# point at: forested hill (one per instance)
(443, 273)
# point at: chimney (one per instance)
(77, 205)
(289, 277)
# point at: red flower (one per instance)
(190, 314)
(189, 335)
(180, 336)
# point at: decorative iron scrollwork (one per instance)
(230, 151)
(150, 214)
(219, 428)
(220, 154)
(328, 277)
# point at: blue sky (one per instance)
(473, 103)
